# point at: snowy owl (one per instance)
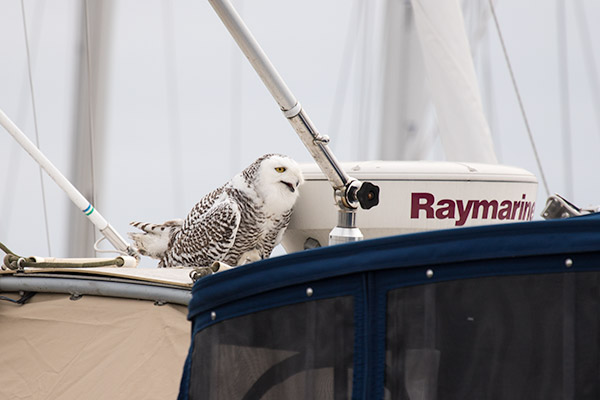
(239, 222)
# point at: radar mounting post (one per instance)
(349, 193)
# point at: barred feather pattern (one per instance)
(154, 240)
(248, 214)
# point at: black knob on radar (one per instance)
(368, 195)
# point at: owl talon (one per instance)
(249, 257)
(200, 272)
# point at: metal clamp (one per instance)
(292, 112)
(321, 139)
(20, 267)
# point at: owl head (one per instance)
(276, 179)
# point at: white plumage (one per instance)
(239, 222)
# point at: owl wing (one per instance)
(207, 237)
(274, 236)
(154, 239)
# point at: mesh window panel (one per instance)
(300, 351)
(512, 337)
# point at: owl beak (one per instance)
(290, 186)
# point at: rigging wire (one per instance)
(590, 61)
(99, 250)
(14, 156)
(90, 99)
(563, 73)
(522, 107)
(476, 17)
(35, 124)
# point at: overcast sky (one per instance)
(183, 111)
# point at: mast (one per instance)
(405, 96)
(90, 114)
(565, 104)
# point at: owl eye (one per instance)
(280, 169)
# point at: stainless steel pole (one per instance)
(314, 142)
(348, 192)
(76, 197)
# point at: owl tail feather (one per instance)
(154, 239)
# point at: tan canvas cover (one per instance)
(91, 348)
